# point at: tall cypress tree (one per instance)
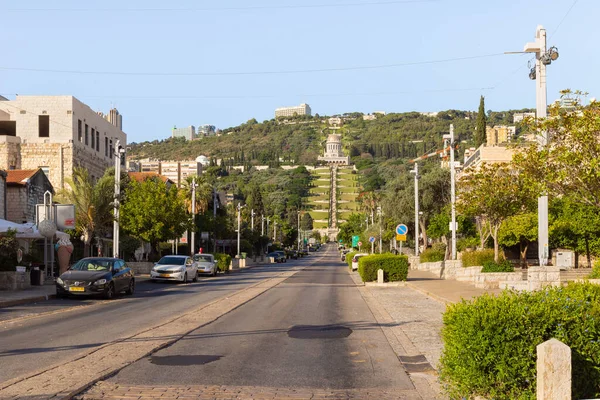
(480, 135)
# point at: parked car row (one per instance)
(355, 258)
(106, 276)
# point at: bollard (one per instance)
(553, 370)
(380, 276)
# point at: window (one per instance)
(45, 170)
(93, 138)
(87, 142)
(44, 126)
(105, 147)
(110, 149)
(8, 128)
(97, 141)
(79, 131)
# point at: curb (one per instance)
(28, 300)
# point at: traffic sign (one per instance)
(355, 240)
(359, 244)
(400, 238)
(401, 229)
(372, 239)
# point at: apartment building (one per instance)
(207, 130)
(176, 171)
(189, 132)
(56, 134)
(499, 134)
(302, 109)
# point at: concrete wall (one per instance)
(140, 268)
(12, 280)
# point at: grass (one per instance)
(319, 225)
(348, 190)
(319, 190)
(347, 196)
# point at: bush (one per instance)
(477, 258)
(349, 257)
(595, 271)
(395, 268)
(490, 342)
(223, 262)
(502, 266)
(432, 255)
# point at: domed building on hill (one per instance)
(333, 151)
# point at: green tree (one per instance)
(520, 229)
(154, 212)
(306, 222)
(93, 204)
(494, 192)
(480, 124)
(354, 226)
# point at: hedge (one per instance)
(490, 342)
(223, 262)
(432, 255)
(502, 266)
(477, 258)
(595, 274)
(395, 268)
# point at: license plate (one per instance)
(165, 275)
(76, 289)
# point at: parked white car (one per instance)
(355, 260)
(175, 268)
(206, 264)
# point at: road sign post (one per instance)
(401, 231)
(372, 240)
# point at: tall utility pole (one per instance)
(262, 225)
(416, 172)
(275, 231)
(298, 229)
(193, 241)
(379, 214)
(452, 189)
(215, 218)
(252, 220)
(239, 218)
(542, 59)
(118, 152)
(268, 221)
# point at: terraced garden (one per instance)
(347, 193)
(318, 202)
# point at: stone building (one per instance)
(176, 171)
(25, 189)
(2, 195)
(302, 109)
(333, 151)
(56, 134)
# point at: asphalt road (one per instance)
(314, 330)
(44, 334)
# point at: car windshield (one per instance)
(172, 260)
(93, 264)
(202, 258)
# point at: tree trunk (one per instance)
(523, 254)
(587, 251)
(424, 233)
(495, 237)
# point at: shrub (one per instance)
(349, 257)
(490, 342)
(595, 274)
(395, 268)
(432, 255)
(477, 258)
(223, 262)
(502, 266)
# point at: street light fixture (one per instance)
(453, 226)
(118, 153)
(193, 241)
(239, 218)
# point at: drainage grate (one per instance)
(319, 332)
(416, 363)
(184, 360)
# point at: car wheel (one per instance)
(110, 292)
(184, 278)
(214, 273)
(131, 288)
(195, 278)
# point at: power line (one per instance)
(241, 73)
(247, 8)
(563, 19)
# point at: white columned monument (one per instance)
(333, 151)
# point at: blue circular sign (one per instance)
(401, 229)
(372, 239)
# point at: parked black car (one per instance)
(91, 276)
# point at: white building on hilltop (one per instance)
(302, 109)
(333, 151)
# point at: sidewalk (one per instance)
(34, 294)
(444, 290)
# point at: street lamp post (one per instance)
(118, 153)
(239, 218)
(542, 59)
(252, 214)
(193, 238)
(274, 231)
(416, 172)
(298, 229)
(452, 190)
(262, 225)
(380, 241)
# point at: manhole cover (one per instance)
(183, 360)
(319, 332)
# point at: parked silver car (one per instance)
(175, 268)
(206, 264)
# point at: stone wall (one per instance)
(540, 277)
(12, 280)
(140, 268)
(3, 195)
(491, 280)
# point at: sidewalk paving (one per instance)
(34, 294)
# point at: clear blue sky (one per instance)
(232, 36)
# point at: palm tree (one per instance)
(204, 192)
(93, 205)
